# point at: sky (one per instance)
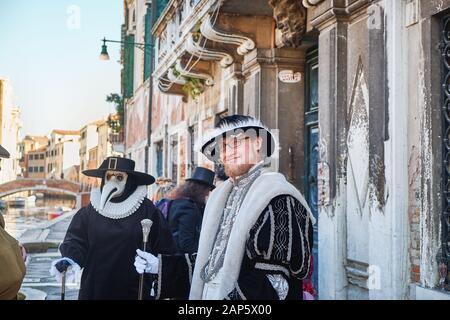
(49, 50)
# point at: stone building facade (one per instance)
(383, 219)
(357, 91)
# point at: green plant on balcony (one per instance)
(116, 123)
(196, 34)
(193, 87)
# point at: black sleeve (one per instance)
(175, 276)
(188, 217)
(75, 244)
(278, 253)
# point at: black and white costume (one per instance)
(102, 239)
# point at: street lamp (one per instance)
(146, 48)
(105, 56)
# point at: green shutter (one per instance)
(148, 41)
(129, 66)
(160, 8)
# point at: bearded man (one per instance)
(256, 236)
(103, 236)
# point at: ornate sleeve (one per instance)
(278, 252)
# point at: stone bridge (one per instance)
(41, 185)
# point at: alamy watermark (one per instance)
(73, 21)
(374, 279)
(375, 19)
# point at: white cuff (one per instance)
(72, 273)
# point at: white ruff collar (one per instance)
(121, 209)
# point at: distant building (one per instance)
(28, 144)
(36, 163)
(10, 125)
(93, 158)
(110, 142)
(97, 142)
(62, 153)
(72, 173)
(88, 140)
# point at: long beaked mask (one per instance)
(114, 186)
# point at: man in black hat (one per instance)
(184, 209)
(256, 236)
(103, 236)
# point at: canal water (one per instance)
(19, 219)
(38, 282)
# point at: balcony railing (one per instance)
(174, 25)
(171, 35)
(117, 138)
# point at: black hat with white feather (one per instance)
(232, 126)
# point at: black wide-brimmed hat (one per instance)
(203, 176)
(3, 153)
(235, 124)
(122, 165)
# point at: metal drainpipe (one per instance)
(153, 5)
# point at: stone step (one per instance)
(33, 294)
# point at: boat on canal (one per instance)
(17, 202)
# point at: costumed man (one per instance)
(102, 237)
(12, 265)
(257, 231)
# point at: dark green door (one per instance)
(312, 144)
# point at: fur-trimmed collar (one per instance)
(121, 209)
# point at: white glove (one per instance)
(146, 262)
(72, 273)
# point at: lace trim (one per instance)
(280, 285)
(122, 209)
(271, 267)
(189, 264)
(158, 292)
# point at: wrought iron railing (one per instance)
(444, 253)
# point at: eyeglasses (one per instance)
(119, 176)
(234, 143)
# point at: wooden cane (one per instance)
(63, 285)
(146, 225)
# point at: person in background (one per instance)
(12, 256)
(184, 209)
